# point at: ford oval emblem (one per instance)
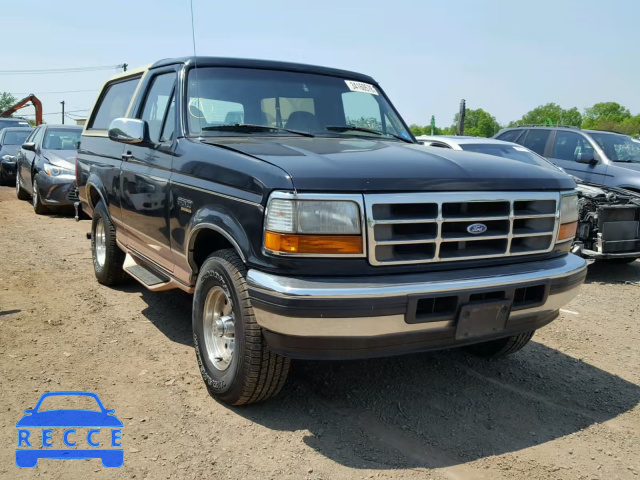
(477, 228)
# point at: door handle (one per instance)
(127, 156)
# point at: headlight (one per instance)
(568, 217)
(54, 171)
(9, 158)
(313, 226)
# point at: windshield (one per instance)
(514, 152)
(61, 138)
(618, 148)
(317, 104)
(15, 137)
(4, 123)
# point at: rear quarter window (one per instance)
(114, 103)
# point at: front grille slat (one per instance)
(514, 223)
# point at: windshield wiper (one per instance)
(347, 128)
(249, 128)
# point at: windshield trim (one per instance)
(333, 73)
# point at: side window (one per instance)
(361, 110)
(169, 127)
(37, 139)
(156, 103)
(509, 136)
(114, 104)
(567, 145)
(32, 135)
(535, 140)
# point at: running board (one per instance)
(146, 274)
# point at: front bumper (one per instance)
(335, 318)
(57, 191)
(7, 169)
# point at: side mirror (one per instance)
(586, 157)
(31, 146)
(128, 130)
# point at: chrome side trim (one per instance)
(423, 283)
(255, 204)
(355, 198)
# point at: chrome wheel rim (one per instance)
(35, 194)
(219, 328)
(100, 242)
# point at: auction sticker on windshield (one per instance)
(361, 87)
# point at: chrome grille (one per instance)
(434, 227)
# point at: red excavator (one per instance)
(25, 103)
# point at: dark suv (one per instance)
(603, 158)
(296, 206)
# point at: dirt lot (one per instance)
(564, 407)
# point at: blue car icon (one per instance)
(38, 421)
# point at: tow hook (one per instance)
(88, 235)
(76, 205)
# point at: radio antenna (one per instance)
(195, 69)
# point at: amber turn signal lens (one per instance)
(317, 244)
(567, 231)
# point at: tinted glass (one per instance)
(15, 137)
(509, 136)
(157, 103)
(114, 103)
(61, 138)
(507, 151)
(169, 127)
(292, 100)
(6, 123)
(619, 148)
(535, 140)
(567, 145)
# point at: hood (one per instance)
(61, 158)
(355, 164)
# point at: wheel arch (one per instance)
(208, 237)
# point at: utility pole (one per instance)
(62, 102)
(461, 115)
(124, 67)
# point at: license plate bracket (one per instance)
(482, 318)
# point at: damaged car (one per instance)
(609, 222)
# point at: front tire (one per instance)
(38, 206)
(502, 346)
(20, 193)
(236, 365)
(107, 256)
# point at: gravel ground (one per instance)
(564, 407)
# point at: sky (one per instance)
(506, 57)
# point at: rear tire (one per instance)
(107, 256)
(235, 362)
(38, 206)
(502, 346)
(20, 193)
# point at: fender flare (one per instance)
(95, 182)
(220, 222)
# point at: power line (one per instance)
(47, 93)
(60, 70)
(55, 113)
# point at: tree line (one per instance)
(601, 116)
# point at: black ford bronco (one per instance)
(297, 207)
